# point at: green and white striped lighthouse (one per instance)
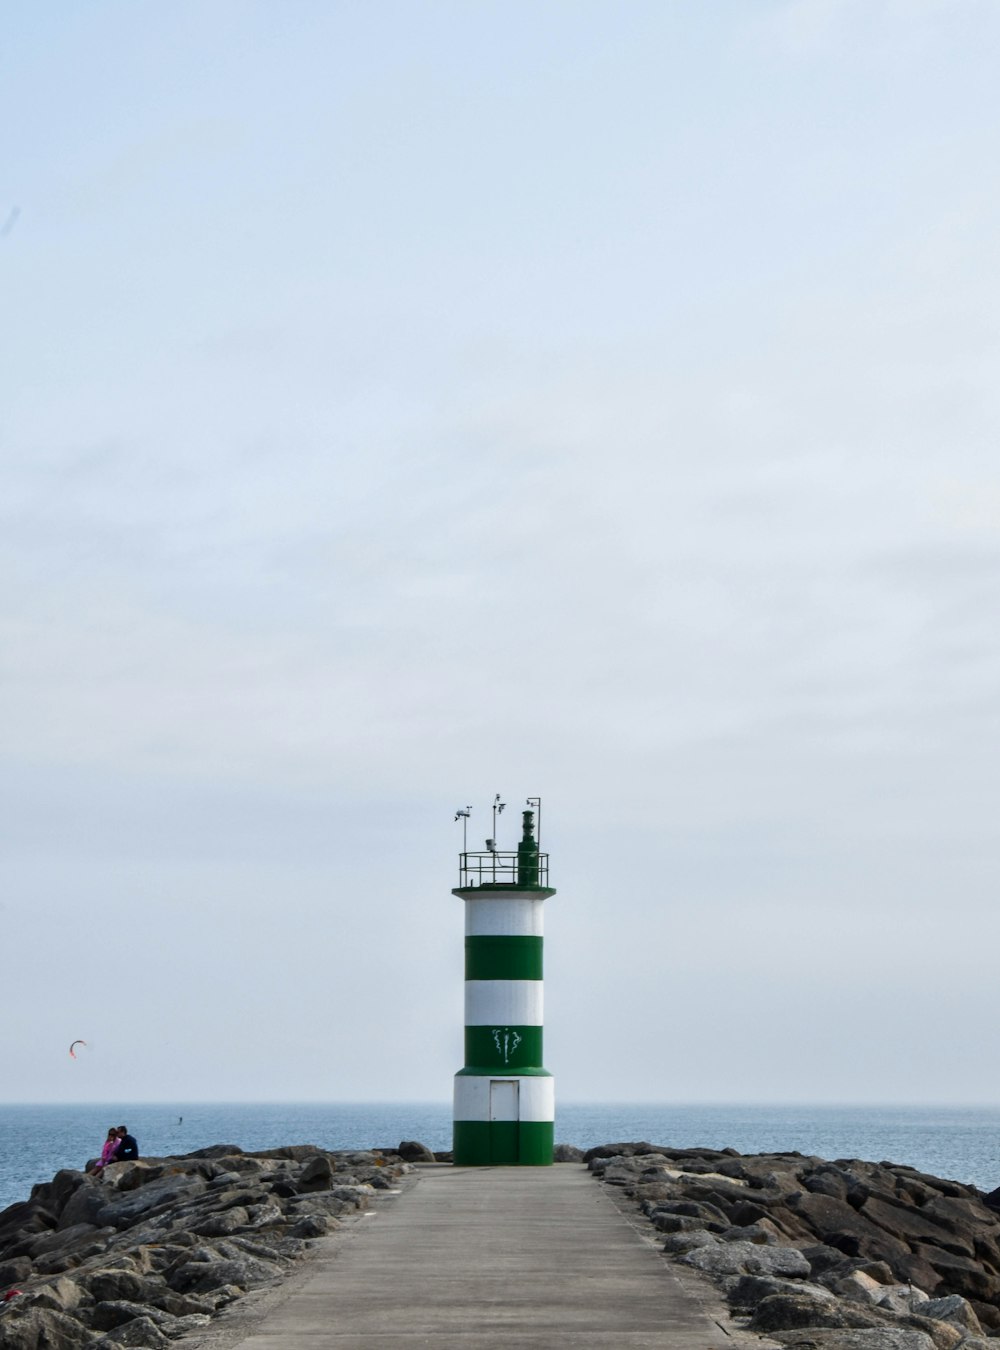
(504, 1098)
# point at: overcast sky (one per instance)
(405, 402)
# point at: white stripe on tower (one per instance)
(538, 1098)
(491, 1003)
(512, 916)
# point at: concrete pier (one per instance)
(476, 1258)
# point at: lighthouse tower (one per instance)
(504, 1098)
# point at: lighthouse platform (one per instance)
(504, 1258)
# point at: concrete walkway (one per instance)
(506, 1257)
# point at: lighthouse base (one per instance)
(503, 1143)
(504, 1122)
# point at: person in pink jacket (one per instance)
(111, 1145)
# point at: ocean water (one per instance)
(962, 1144)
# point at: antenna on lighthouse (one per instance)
(498, 807)
(463, 816)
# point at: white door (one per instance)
(503, 1099)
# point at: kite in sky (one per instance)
(72, 1049)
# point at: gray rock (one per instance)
(312, 1226)
(708, 1216)
(786, 1312)
(270, 1248)
(881, 1338)
(64, 1238)
(567, 1153)
(115, 1285)
(245, 1273)
(756, 1233)
(34, 1328)
(181, 1326)
(220, 1225)
(736, 1258)
(265, 1216)
(15, 1271)
(62, 1294)
(141, 1331)
(84, 1205)
(358, 1195)
(316, 1174)
(224, 1179)
(860, 1287)
(666, 1222)
(107, 1316)
(322, 1203)
(412, 1151)
(224, 1295)
(678, 1243)
(904, 1298)
(953, 1309)
(171, 1191)
(746, 1291)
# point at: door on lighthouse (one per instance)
(504, 1108)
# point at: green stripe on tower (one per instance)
(504, 1143)
(503, 958)
(505, 1050)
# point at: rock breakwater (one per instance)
(159, 1246)
(818, 1255)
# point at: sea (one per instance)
(960, 1143)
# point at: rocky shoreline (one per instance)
(819, 1255)
(158, 1247)
(808, 1254)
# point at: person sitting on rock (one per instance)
(108, 1153)
(128, 1149)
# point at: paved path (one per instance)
(517, 1258)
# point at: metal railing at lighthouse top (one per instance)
(503, 870)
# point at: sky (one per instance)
(402, 403)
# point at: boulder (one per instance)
(785, 1312)
(746, 1291)
(62, 1294)
(182, 1326)
(562, 1153)
(666, 1222)
(15, 1271)
(312, 1226)
(245, 1273)
(411, 1151)
(220, 1225)
(902, 1298)
(953, 1309)
(84, 1205)
(116, 1313)
(836, 1224)
(65, 1238)
(913, 1225)
(265, 1215)
(316, 1174)
(30, 1328)
(747, 1258)
(114, 1285)
(960, 1275)
(880, 1338)
(708, 1216)
(678, 1243)
(140, 1332)
(860, 1287)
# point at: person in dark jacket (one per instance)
(127, 1148)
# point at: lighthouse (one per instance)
(504, 1097)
